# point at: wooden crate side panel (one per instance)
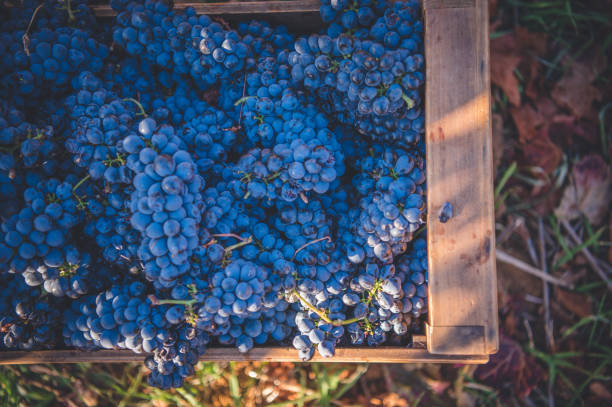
(462, 275)
(232, 7)
(272, 354)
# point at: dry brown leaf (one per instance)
(588, 192)
(571, 132)
(511, 366)
(502, 74)
(576, 93)
(600, 390)
(527, 120)
(542, 152)
(579, 304)
(529, 42)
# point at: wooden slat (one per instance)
(431, 4)
(276, 354)
(234, 7)
(462, 275)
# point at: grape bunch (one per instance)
(392, 206)
(170, 181)
(26, 320)
(368, 69)
(166, 203)
(99, 119)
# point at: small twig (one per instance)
(531, 250)
(592, 260)
(509, 229)
(305, 245)
(235, 236)
(304, 197)
(223, 23)
(26, 36)
(533, 299)
(604, 265)
(548, 326)
(244, 242)
(521, 265)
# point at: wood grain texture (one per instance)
(462, 275)
(432, 4)
(233, 7)
(276, 354)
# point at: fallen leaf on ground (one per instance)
(510, 365)
(502, 74)
(542, 152)
(517, 51)
(588, 192)
(533, 44)
(530, 119)
(600, 390)
(527, 120)
(575, 91)
(571, 133)
(579, 304)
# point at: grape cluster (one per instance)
(166, 203)
(99, 120)
(392, 205)
(368, 69)
(26, 320)
(170, 182)
(49, 62)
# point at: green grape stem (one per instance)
(69, 10)
(157, 301)
(322, 314)
(80, 183)
(245, 242)
(137, 103)
(409, 102)
(243, 99)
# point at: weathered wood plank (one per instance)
(276, 354)
(462, 275)
(233, 7)
(432, 4)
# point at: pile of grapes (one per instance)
(169, 182)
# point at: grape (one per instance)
(169, 181)
(26, 320)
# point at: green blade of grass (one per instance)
(351, 381)
(234, 386)
(504, 179)
(568, 255)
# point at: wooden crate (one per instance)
(462, 322)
